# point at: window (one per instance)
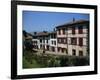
(40, 46)
(80, 41)
(62, 40)
(63, 30)
(53, 49)
(51, 35)
(80, 30)
(58, 49)
(80, 53)
(47, 41)
(36, 47)
(74, 52)
(73, 30)
(54, 42)
(54, 35)
(59, 32)
(65, 40)
(62, 50)
(59, 40)
(47, 47)
(74, 41)
(41, 40)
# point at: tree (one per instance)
(24, 33)
(27, 42)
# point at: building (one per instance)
(72, 38)
(53, 41)
(35, 42)
(45, 41)
(41, 40)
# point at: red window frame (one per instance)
(59, 31)
(73, 30)
(80, 41)
(63, 30)
(80, 31)
(74, 41)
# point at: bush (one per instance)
(28, 44)
(56, 61)
(64, 61)
(79, 61)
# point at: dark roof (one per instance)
(53, 32)
(41, 34)
(26, 34)
(73, 23)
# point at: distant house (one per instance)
(35, 43)
(45, 41)
(72, 38)
(41, 40)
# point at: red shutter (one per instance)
(74, 41)
(73, 30)
(63, 31)
(80, 41)
(59, 32)
(80, 31)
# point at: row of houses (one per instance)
(45, 41)
(70, 38)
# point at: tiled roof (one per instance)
(73, 23)
(41, 34)
(53, 32)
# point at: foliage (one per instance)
(43, 60)
(28, 45)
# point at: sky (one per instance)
(37, 21)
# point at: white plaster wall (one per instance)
(51, 42)
(77, 48)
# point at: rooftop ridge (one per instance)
(73, 22)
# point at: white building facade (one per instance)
(53, 42)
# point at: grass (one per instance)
(34, 64)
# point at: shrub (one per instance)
(64, 61)
(80, 61)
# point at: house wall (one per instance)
(36, 44)
(77, 48)
(68, 34)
